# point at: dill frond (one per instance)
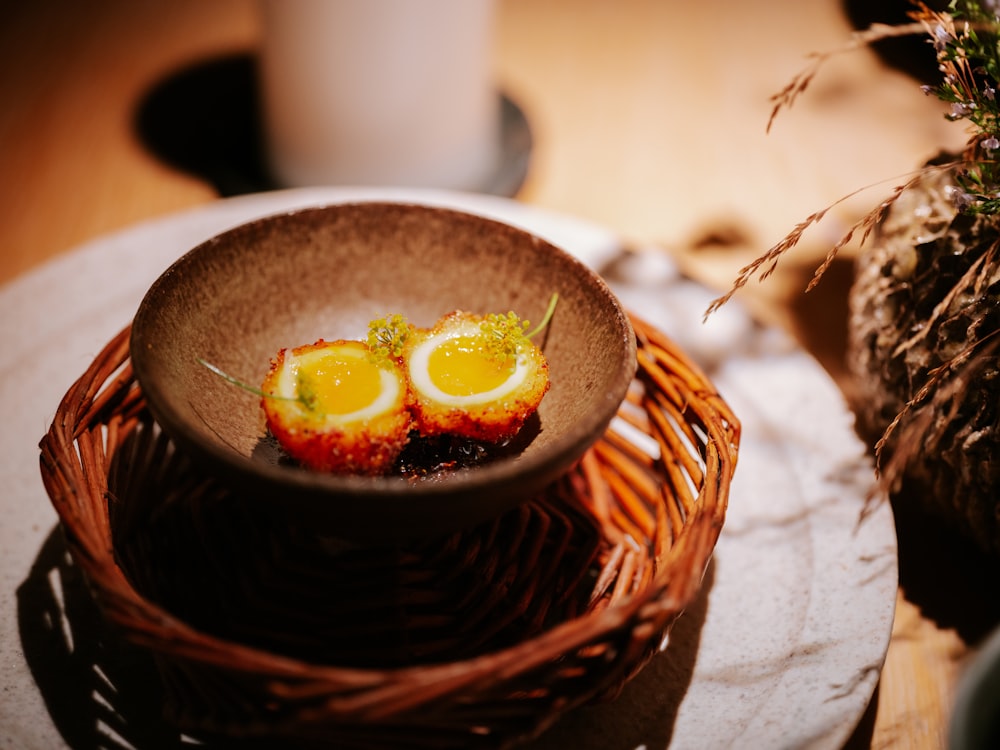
(503, 335)
(387, 336)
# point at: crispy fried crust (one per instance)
(366, 447)
(491, 422)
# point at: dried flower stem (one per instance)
(767, 264)
(876, 32)
(969, 60)
(943, 383)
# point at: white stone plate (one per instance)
(782, 650)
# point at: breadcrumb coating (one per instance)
(364, 440)
(493, 414)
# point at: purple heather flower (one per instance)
(959, 198)
(941, 37)
(961, 109)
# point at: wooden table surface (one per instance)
(647, 117)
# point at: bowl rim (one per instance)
(531, 471)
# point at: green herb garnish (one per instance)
(246, 386)
(503, 335)
(233, 381)
(306, 390)
(506, 334)
(387, 336)
(549, 312)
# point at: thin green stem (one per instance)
(240, 384)
(553, 301)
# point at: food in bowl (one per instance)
(332, 407)
(474, 377)
(327, 271)
(351, 407)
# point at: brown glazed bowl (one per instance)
(292, 278)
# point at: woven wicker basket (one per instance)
(264, 630)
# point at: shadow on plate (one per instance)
(99, 691)
(103, 693)
(205, 120)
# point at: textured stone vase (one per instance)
(922, 343)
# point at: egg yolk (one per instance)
(460, 366)
(337, 382)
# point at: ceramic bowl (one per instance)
(290, 279)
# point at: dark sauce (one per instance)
(429, 456)
(426, 456)
(442, 454)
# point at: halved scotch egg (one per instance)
(335, 408)
(472, 377)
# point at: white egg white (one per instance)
(421, 380)
(389, 392)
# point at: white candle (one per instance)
(380, 92)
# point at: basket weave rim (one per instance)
(70, 466)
